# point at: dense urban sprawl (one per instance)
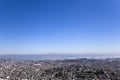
(69, 69)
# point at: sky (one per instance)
(59, 26)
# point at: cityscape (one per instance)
(67, 69)
(59, 39)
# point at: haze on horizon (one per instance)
(59, 26)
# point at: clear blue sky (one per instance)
(59, 26)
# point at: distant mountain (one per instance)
(50, 57)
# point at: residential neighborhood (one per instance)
(69, 69)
